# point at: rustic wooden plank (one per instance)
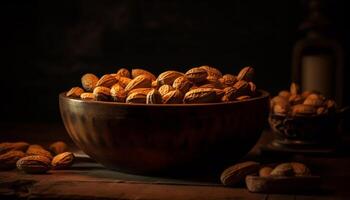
(280, 197)
(321, 197)
(105, 184)
(113, 190)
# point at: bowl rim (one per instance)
(263, 94)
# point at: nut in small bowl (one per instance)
(304, 118)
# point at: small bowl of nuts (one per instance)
(137, 122)
(303, 118)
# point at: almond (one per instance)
(118, 93)
(38, 150)
(102, 93)
(168, 77)
(107, 81)
(284, 169)
(8, 160)
(137, 72)
(11, 146)
(58, 147)
(182, 84)
(136, 97)
(173, 97)
(75, 92)
(200, 95)
(228, 79)
(35, 164)
(237, 173)
(153, 97)
(164, 89)
(63, 160)
(212, 71)
(89, 81)
(122, 72)
(196, 75)
(87, 96)
(247, 74)
(140, 81)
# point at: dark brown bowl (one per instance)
(157, 139)
(306, 129)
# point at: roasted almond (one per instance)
(124, 81)
(280, 105)
(168, 77)
(141, 90)
(136, 97)
(153, 97)
(228, 79)
(8, 160)
(140, 81)
(63, 160)
(89, 81)
(278, 100)
(173, 97)
(87, 96)
(11, 146)
(209, 85)
(212, 71)
(182, 84)
(284, 169)
(237, 173)
(75, 92)
(215, 82)
(196, 75)
(303, 110)
(281, 109)
(247, 74)
(230, 93)
(306, 94)
(35, 164)
(164, 89)
(200, 95)
(118, 93)
(300, 169)
(38, 150)
(102, 93)
(137, 72)
(295, 99)
(265, 171)
(58, 147)
(107, 81)
(285, 94)
(314, 100)
(122, 72)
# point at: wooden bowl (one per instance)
(171, 139)
(306, 129)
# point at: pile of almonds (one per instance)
(307, 103)
(34, 159)
(202, 84)
(237, 173)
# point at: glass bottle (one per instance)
(317, 63)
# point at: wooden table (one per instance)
(89, 180)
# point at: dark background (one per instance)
(48, 45)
